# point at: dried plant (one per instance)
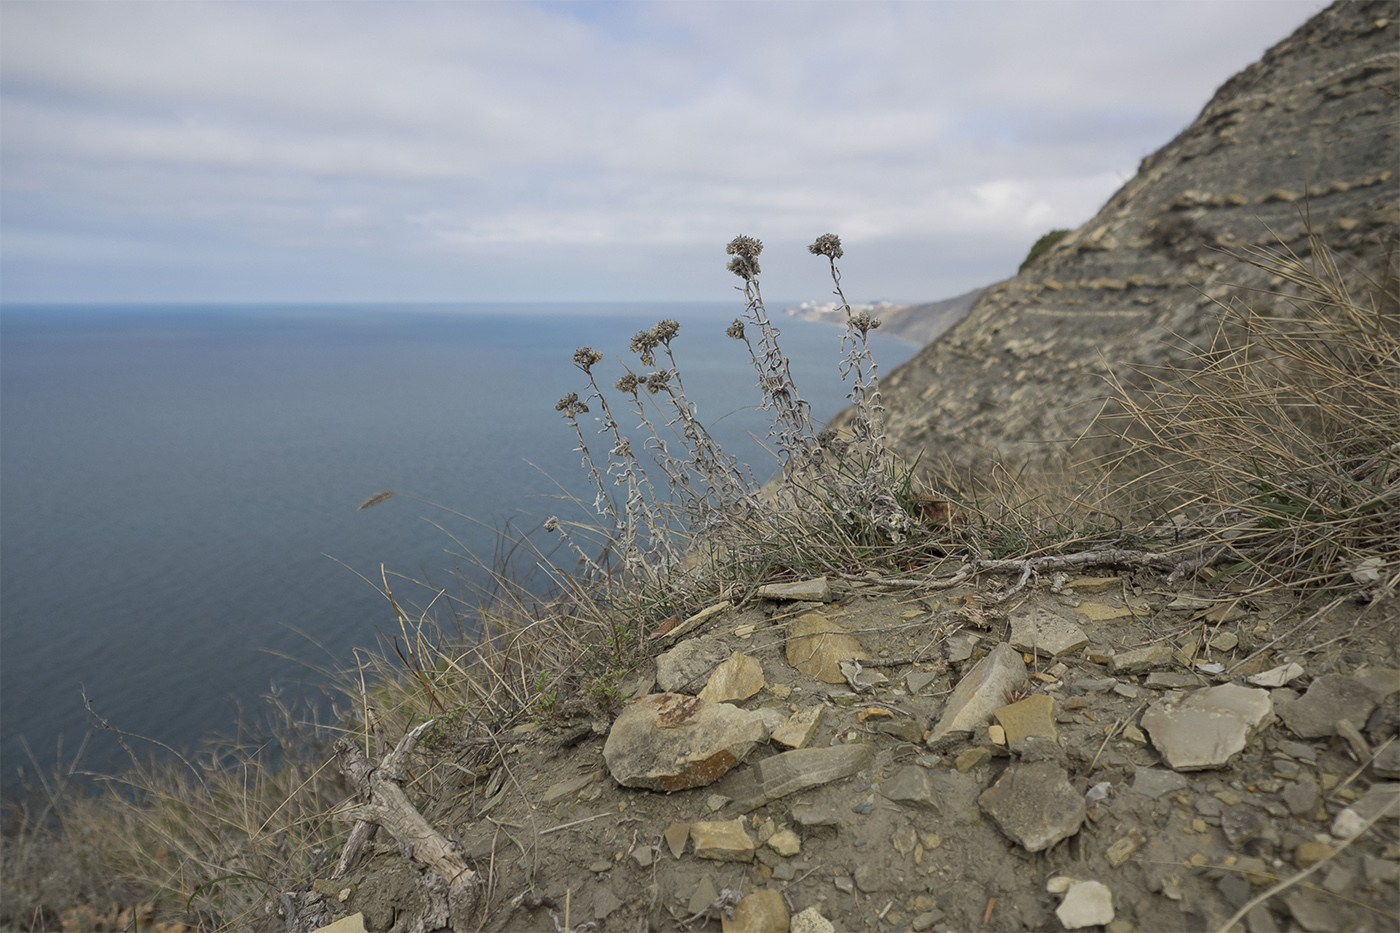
(834, 500)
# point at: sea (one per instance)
(179, 488)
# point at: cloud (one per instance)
(434, 138)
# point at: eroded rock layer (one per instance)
(1309, 131)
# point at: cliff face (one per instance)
(1310, 130)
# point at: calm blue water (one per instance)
(178, 486)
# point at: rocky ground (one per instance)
(1088, 752)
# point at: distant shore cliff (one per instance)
(1305, 138)
(919, 323)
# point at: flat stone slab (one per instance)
(799, 728)
(811, 591)
(686, 667)
(786, 843)
(1383, 681)
(912, 786)
(981, 692)
(604, 903)
(773, 718)
(1383, 799)
(1110, 609)
(1086, 904)
(667, 741)
(811, 921)
(960, 647)
(1031, 716)
(801, 769)
(1278, 676)
(918, 680)
(723, 841)
(812, 815)
(762, 911)
(677, 835)
(1043, 631)
(1034, 804)
(1173, 680)
(669, 632)
(816, 646)
(1387, 761)
(569, 788)
(1141, 659)
(737, 678)
(1154, 782)
(1331, 697)
(1206, 728)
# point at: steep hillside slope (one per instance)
(1312, 130)
(926, 322)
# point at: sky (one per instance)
(465, 151)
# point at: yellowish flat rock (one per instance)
(738, 678)
(816, 646)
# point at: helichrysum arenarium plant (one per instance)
(703, 498)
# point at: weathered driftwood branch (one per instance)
(451, 890)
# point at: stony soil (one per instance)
(909, 841)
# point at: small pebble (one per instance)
(1310, 853)
(1381, 871)
(1225, 641)
(1347, 824)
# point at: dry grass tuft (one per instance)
(174, 844)
(1280, 453)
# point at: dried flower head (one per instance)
(551, 523)
(570, 405)
(864, 323)
(643, 342)
(745, 250)
(658, 381)
(828, 244)
(744, 267)
(745, 246)
(736, 330)
(623, 448)
(585, 357)
(627, 383)
(665, 330)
